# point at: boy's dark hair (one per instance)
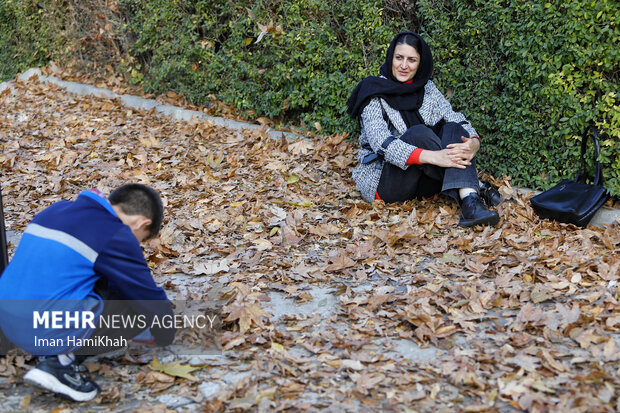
(138, 199)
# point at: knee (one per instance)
(421, 136)
(454, 129)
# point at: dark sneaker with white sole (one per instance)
(71, 381)
(474, 212)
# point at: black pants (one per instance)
(113, 305)
(423, 181)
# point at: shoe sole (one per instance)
(490, 220)
(49, 382)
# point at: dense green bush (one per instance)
(529, 75)
(301, 70)
(24, 38)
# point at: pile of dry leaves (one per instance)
(523, 316)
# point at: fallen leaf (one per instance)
(246, 314)
(300, 147)
(262, 244)
(174, 368)
(211, 267)
(341, 262)
(352, 364)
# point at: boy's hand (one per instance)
(145, 337)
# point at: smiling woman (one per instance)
(405, 62)
(413, 145)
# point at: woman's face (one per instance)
(405, 62)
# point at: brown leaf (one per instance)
(174, 369)
(246, 314)
(376, 300)
(552, 363)
(368, 381)
(341, 262)
(324, 229)
(300, 147)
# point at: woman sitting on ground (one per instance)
(413, 145)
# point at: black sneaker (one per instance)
(474, 212)
(70, 381)
(490, 194)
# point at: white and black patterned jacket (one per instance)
(375, 131)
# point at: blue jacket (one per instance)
(61, 255)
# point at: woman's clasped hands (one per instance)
(456, 155)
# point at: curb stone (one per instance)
(604, 216)
(136, 102)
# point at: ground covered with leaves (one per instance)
(330, 303)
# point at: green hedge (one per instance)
(300, 71)
(25, 39)
(529, 75)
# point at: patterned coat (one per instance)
(375, 130)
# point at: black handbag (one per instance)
(575, 201)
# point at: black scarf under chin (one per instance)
(404, 97)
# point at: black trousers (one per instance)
(423, 181)
(113, 305)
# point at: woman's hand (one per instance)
(468, 149)
(446, 158)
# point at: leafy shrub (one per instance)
(300, 70)
(531, 76)
(25, 39)
(80, 33)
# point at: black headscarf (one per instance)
(404, 97)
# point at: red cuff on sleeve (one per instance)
(414, 158)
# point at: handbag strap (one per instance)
(593, 135)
